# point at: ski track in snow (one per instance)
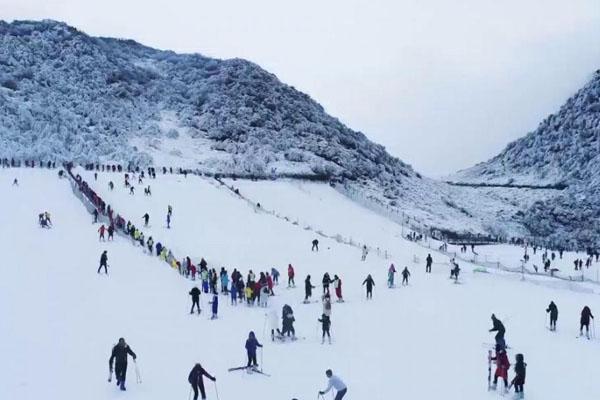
(60, 318)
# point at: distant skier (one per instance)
(326, 281)
(195, 379)
(553, 310)
(370, 283)
(119, 356)
(519, 380)
(429, 262)
(195, 293)
(337, 284)
(335, 383)
(308, 287)
(15, 182)
(169, 221)
(275, 274)
(586, 314)
(111, 185)
(315, 245)
(103, 262)
(391, 274)
(405, 275)
(365, 251)
(325, 326)
(215, 306)
(131, 190)
(498, 327)
(101, 232)
(111, 232)
(95, 214)
(291, 275)
(251, 345)
(146, 218)
(455, 271)
(169, 210)
(502, 366)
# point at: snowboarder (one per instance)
(195, 293)
(215, 306)
(291, 275)
(502, 366)
(101, 232)
(370, 283)
(498, 327)
(315, 245)
(251, 345)
(335, 383)
(103, 262)
(365, 251)
(325, 325)
(195, 379)
(553, 310)
(519, 380)
(405, 275)
(586, 314)
(119, 356)
(308, 287)
(391, 274)
(146, 219)
(429, 262)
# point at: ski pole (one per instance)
(261, 359)
(216, 390)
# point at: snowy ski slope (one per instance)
(60, 318)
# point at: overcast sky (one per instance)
(443, 84)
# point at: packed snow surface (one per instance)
(60, 318)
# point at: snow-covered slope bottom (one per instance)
(60, 318)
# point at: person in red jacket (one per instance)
(101, 231)
(502, 367)
(291, 282)
(270, 284)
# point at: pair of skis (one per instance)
(251, 369)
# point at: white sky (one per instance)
(443, 84)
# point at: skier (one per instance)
(195, 379)
(101, 232)
(553, 310)
(308, 287)
(391, 274)
(519, 380)
(405, 275)
(146, 219)
(498, 327)
(365, 251)
(370, 283)
(119, 354)
(111, 185)
(502, 366)
(111, 231)
(287, 322)
(195, 293)
(169, 221)
(315, 245)
(131, 190)
(95, 213)
(325, 325)
(16, 182)
(251, 345)
(275, 275)
(326, 281)
(337, 384)
(215, 306)
(327, 304)
(586, 314)
(429, 262)
(169, 210)
(291, 274)
(150, 244)
(454, 272)
(103, 262)
(337, 284)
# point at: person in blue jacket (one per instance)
(251, 345)
(215, 306)
(159, 248)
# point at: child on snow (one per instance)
(325, 325)
(519, 380)
(502, 366)
(215, 306)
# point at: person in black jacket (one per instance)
(370, 283)
(498, 327)
(195, 379)
(119, 354)
(429, 261)
(325, 325)
(553, 310)
(308, 287)
(586, 314)
(519, 380)
(405, 275)
(195, 293)
(103, 262)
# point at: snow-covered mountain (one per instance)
(563, 151)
